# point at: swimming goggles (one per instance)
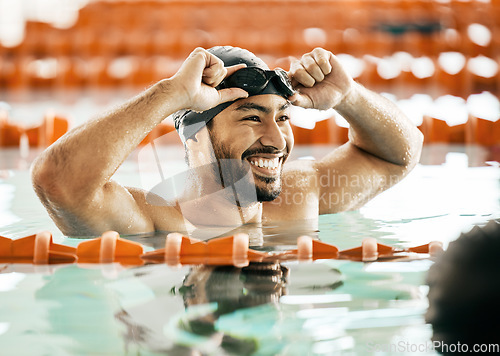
(255, 80)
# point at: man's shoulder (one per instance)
(299, 175)
(165, 214)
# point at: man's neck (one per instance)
(206, 202)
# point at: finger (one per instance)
(310, 65)
(214, 71)
(304, 101)
(232, 69)
(300, 75)
(322, 59)
(213, 76)
(293, 61)
(294, 82)
(195, 63)
(231, 94)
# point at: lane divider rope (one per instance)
(39, 249)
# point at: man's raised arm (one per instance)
(73, 176)
(383, 144)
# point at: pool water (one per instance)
(291, 308)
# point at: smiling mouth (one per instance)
(267, 166)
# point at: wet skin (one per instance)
(73, 177)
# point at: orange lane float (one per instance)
(370, 250)
(36, 249)
(39, 249)
(230, 250)
(110, 248)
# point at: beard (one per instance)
(237, 173)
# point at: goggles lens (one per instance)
(254, 80)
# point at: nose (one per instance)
(273, 136)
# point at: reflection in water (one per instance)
(276, 308)
(213, 295)
(231, 289)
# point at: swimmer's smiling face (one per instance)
(255, 132)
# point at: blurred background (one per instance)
(62, 60)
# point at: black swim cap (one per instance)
(188, 122)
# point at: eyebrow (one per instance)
(264, 109)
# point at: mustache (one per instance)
(265, 150)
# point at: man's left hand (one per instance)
(320, 80)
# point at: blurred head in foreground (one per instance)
(465, 291)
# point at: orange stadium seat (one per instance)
(72, 73)
(10, 134)
(98, 76)
(483, 132)
(458, 84)
(408, 84)
(438, 131)
(14, 73)
(57, 42)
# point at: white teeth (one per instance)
(266, 163)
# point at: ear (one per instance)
(202, 135)
(199, 137)
(199, 147)
(192, 138)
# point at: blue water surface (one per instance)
(326, 307)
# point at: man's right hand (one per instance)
(197, 78)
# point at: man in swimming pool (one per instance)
(240, 122)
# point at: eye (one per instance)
(283, 118)
(252, 118)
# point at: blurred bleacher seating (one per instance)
(403, 47)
